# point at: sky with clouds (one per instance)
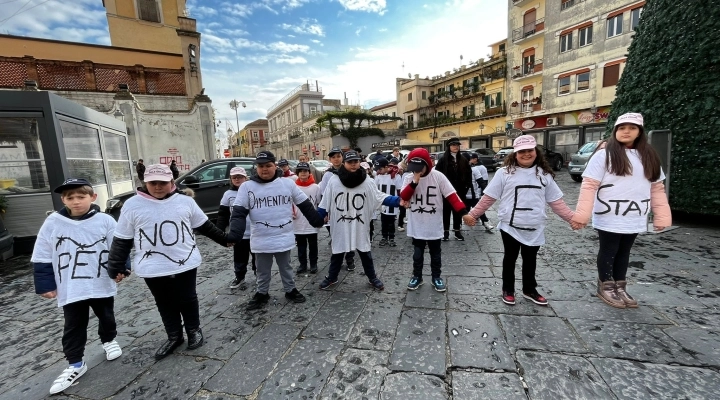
(258, 51)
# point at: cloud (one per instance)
(307, 26)
(375, 6)
(289, 48)
(291, 60)
(219, 60)
(358, 30)
(248, 44)
(201, 11)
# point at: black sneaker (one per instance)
(446, 236)
(383, 242)
(313, 269)
(459, 237)
(258, 301)
(295, 296)
(236, 283)
(392, 243)
(351, 265)
(326, 283)
(377, 284)
(301, 269)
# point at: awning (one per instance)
(410, 142)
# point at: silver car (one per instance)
(579, 160)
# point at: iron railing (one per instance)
(528, 29)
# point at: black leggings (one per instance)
(529, 263)
(614, 255)
(176, 300)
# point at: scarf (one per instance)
(308, 182)
(351, 179)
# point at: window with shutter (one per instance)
(611, 75)
(498, 99)
(148, 10)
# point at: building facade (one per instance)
(467, 103)
(150, 78)
(567, 57)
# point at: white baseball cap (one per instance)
(630, 118)
(524, 142)
(238, 171)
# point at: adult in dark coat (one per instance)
(457, 169)
(140, 168)
(174, 169)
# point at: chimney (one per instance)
(417, 76)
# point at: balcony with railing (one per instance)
(527, 69)
(565, 4)
(528, 30)
(519, 3)
(305, 87)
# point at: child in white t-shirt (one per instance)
(160, 222)
(306, 235)
(69, 254)
(621, 184)
(389, 181)
(522, 186)
(479, 182)
(241, 250)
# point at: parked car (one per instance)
(555, 160)
(403, 153)
(485, 157)
(208, 180)
(579, 160)
(320, 165)
(6, 240)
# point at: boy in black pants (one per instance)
(71, 248)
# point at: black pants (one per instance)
(401, 217)
(176, 300)
(529, 264)
(419, 257)
(372, 229)
(388, 226)
(241, 256)
(77, 315)
(457, 218)
(303, 242)
(614, 255)
(470, 203)
(365, 257)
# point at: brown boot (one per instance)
(629, 301)
(607, 293)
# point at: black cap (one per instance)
(453, 141)
(264, 157)
(283, 162)
(302, 166)
(474, 155)
(416, 164)
(72, 183)
(394, 161)
(334, 150)
(351, 155)
(380, 162)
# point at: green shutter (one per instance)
(498, 101)
(487, 102)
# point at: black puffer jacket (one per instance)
(457, 170)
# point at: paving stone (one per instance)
(494, 305)
(378, 322)
(358, 374)
(426, 297)
(465, 258)
(597, 310)
(540, 333)
(702, 317)
(477, 342)
(413, 386)
(557, 376)
(337, 316)
(214, 305)
(420, 343)
(162, 382)
(482, 271)
(567, 290)
(653, 381)
(37, 387)
(304, 371)
(657, 294)
(483, 385)
(138, 320)
(707, 296)
(541, 274)
(579, 274)
(704, 344)
(472, 285)
(302, 313)
(205, 395)
(223, 337)
(250, 366)
(632, 341)
(137, 358)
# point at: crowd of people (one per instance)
(277, 210)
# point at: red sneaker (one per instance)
(508, 298)
(536, 298)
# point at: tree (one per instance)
(671, 77)
(351, 124)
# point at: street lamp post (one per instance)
(235, 104)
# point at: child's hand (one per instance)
(230, 244)
(469, 220)
(119, 278)
(576, 225)
(327, 218)
(417, 176)
(404, 203)
(50, 295)
(659, 228)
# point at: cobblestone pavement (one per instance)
(356, 343)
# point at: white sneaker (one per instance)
(401, 229)
(488, 226)
(112, 350)
(67, 378)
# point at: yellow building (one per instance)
(467, 103)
